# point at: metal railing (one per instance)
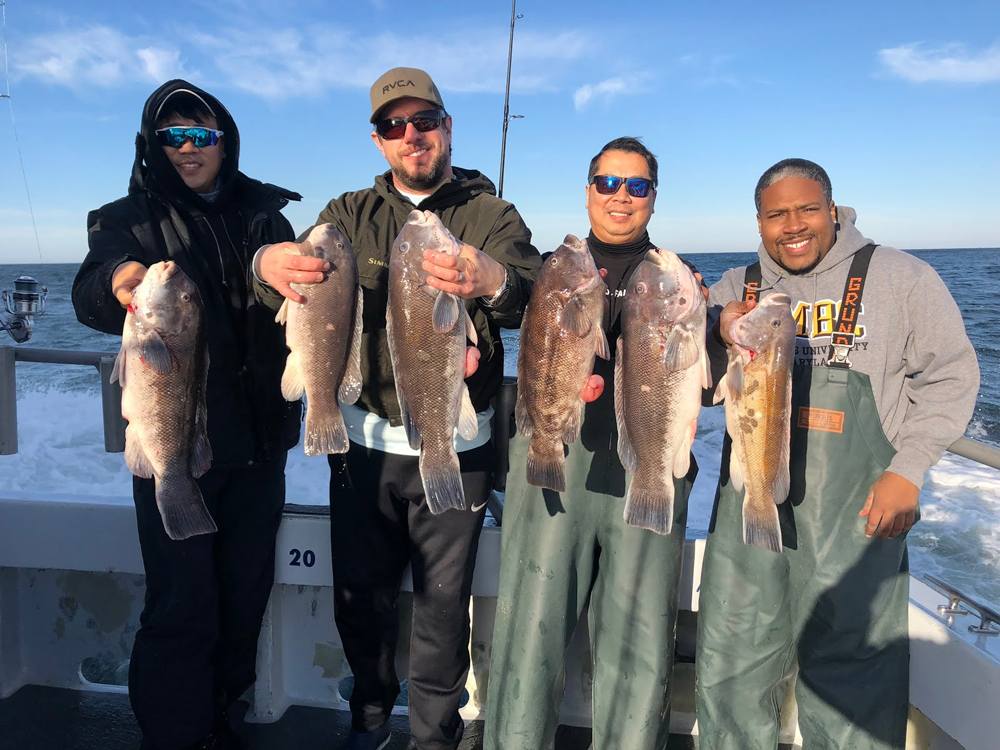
(989, 618)
(111, 393)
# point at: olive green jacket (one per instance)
(467, 205)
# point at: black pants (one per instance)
(379, 522)
(196, 648)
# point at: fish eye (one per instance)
(404, 246)
(185, 297)
(553, 261)
(340, 245)
(640, 288)
(776, 323)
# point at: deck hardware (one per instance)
(989, 618)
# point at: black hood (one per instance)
(152, 169)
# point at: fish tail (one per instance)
(546, 468)
(442, 479)
(760, 524)
(325, 433)
(650, 507)
(182, 507)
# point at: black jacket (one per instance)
(213, 243)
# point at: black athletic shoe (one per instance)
(373, 740)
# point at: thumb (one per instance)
(868, 503)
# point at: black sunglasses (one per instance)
(606, 184)
(392, 128)
(200, 137)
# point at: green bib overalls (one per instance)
(833, 604)
(562, 555)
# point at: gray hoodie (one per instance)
(911, 340)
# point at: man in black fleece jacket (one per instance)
(566, 553)
(195, 651)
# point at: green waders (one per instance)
(834, 603)
(559, 554)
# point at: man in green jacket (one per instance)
(378, 512)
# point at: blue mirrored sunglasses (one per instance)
(200, 137)
(606, 184)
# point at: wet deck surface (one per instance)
(40, 718)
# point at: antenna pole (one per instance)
(506, 98)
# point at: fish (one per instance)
(661, 368)
(324, 339)
(163, 370)
(757, 389)
(561, 335)
(427, 330)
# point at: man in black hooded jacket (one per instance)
(195, 651)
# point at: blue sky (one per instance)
(899, 101)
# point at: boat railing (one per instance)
(114, 425)
(989, 618)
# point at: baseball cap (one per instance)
(400, 83)
(186, 92)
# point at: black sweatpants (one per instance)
(196, 648)
(379, 522)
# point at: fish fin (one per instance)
(546, 470)
(522, 418)
(442, 482)
(682, 459)
(118, 371)
(625, 450)
(720, 389)
(201, 451)
(782, 482)
(470, 328)
(293, 381)
(575, 319)
(135, 455)
(681, 350)
(650, 507)
(154, 351)
(706, 371)
(446, 311)
(282, 316)
(468, 420)
(601, 347)
(571, 429)
(735, 470)
(412, 433)
(350, 386)
(325, 433)
(761, 527)
(182, 507)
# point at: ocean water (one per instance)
(61, 443)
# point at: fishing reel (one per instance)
(22, 305)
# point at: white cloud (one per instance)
(951, 63)
(97, 56)
(607, 90)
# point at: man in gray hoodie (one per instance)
(885, 380)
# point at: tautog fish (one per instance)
(560, 335)
(427, 331)
(324, 336)
(660, 370)
(757, 388)
(163, 370)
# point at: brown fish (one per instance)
(163, 370)
(324, 336)
(757, 388)
(560, 336)
(427, 331)
(660, 370)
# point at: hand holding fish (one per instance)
(470, 274)
(126, 277)
(279, 268)
(730, 314)
(593, 389)
(891, 506)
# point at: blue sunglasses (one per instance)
(200, 137)
(637, 187)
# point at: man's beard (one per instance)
(417, 182)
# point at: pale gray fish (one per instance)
(324, 336)
(163, 371)
(660, 370)
(427, 331)
(561, 334)
(757, 389)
